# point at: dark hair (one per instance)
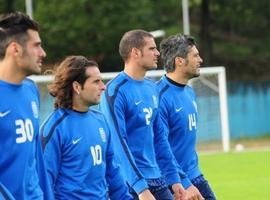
(175, 46)
(71, 69)
(13, 27)
(131, 39)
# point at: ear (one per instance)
(76, 87)
(15, 48)
(179, 61)
(135, 52)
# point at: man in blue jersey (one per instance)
(77, 143)
(178, 107)
(21, 163)
(131, 106)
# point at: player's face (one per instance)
(33, 54)
(93, 87)
(193, 63)
(149, 54)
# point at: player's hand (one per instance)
(192, 193)
(179, 192)
(146, 195)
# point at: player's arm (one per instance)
(166, 160)
(164, 108)
(52, 153)
(117, 186)
(114, 111)
(118, 189)
(164, 154)
(41, 170)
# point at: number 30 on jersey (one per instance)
(24, 130)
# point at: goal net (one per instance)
(210, 88)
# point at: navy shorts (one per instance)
(202, 185)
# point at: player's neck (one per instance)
(135, 71)
(177, 77)
(80, 108)
(10, 73)
(78, 104)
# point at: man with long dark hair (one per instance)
(77, 143)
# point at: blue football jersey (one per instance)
(131, 107)
(79, 156)
(20, 161)
(179, 115)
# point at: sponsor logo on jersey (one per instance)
(102, 134)
(3, 114)
(34, 109)
(76, 141)
(138, 102)
(178, 109)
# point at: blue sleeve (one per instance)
(118, 189)
(41, 170)
(52, 156)
(164, 121)
(5, 194)
(164, 154)
(113, 111)
(43, 176)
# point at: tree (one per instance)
(205, 37)
(235, 33)
(240, 29)
(90, 27)
(7, 6)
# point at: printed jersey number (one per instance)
(24, 130)
(96, 154)
(148, 115)
(192, 121)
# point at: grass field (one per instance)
(238, 175)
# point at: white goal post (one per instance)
(211, 91)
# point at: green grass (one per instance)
(238, 176)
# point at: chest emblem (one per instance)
(102, 134)
(34, 109)
(155, 101)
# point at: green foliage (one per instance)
(241, 34)
(90, 27)
(7, 6)
(244, 17)
(236, 33)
